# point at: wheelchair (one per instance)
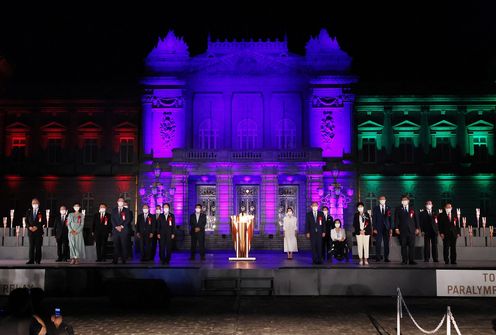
(339, 253)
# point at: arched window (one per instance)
(247, 134)
(208, 135)
(286, 134)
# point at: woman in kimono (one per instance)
(75, 223)
(290, 228)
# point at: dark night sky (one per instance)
(415, 47)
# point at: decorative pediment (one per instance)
(53, 127)
(18, 127)
(89, 127)
(443, 125)
(480, 125)
(406, 126)
(125, 126)
(370, 126)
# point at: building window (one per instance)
(370, 201)
(208, 135)
(369, 150)
(446, 197)
(54, 150)
(90, 151)
(443, 149)
(286, 135)
(406, 150)
(88, 202)
(247, 134)
(51, 204)
(484, 203)
(480, 148)
(18, 149)
(127, 151)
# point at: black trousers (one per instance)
(63, 248)
(120, 245)
(382, 237)
(35, 243)
(145, 246)
(326, 247)
(101, 243)
(165, 250)
(153, 247)
(407, 247)
(198, 238)
(316, 242)
(430, 242)
(449, 248)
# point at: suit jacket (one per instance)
(201, 223)
(123, 220)
(367, 224)
(428, 223)
(406, 222)
(328, 224)
(39, 221)
(99, 227)
(315, 225)
(448, 227)
(60, 229)
(166, 226)
(147, 226)
(381, 221)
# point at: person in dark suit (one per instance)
(35, 219)
(315, 231)
(101, 229)
(145, 229)
(121, 219)
(166, 230)
(429, 227)
(449, 232)
(382, 221)
(197, 223)
(153, 251)
(406, 227)
(130, 231)
(61, 233)
(326, 240)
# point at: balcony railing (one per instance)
(186, 155)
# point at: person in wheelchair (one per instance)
(339, 247)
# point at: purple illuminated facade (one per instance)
(247, 125)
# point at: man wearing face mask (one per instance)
(429, 226)
(383, 228)
(449, 232)
(121, 220)
(315, 231)
(35, 219)
(145, 228)
(197, 223)
(101, 229)
(61, 235)
(326, 240)
(166, 231)
(158, 217)
(406, 227)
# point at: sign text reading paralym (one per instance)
(466, 283)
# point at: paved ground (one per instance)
(275, 315)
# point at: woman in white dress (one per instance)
(290, 228)
(75, 223)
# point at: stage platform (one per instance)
(270, 274)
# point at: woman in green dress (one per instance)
(75, 223)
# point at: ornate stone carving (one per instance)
(168, 102)
(167, 129)
(327, 102)
(327, 127)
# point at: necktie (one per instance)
(315, 216)
(34, 214)
(382, 210)
(404, 208)
(449, 217)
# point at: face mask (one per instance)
(337, 225)
(290, 213)
(448, 210)
(35, 206)
(102, 210)
(158, 211)
(382, 202)
(325, 212)
(62, 212)
(315, 208)
(197, 210)
(76, 208)
(429, 207)
(404, 202)
(120, 203)
(145, 210)
(166, 210)
(360, 209)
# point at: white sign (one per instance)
(466, 283)
(11, 279)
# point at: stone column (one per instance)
(224, 202)
(268, 214)
(180, 205)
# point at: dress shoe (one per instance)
(412, 263)
(446, 263)
(436, 261)
(454, 263)
(404, 262)
(377, 259)
(37, 262)
(30, 262)
(58, 260)
(387, 260)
